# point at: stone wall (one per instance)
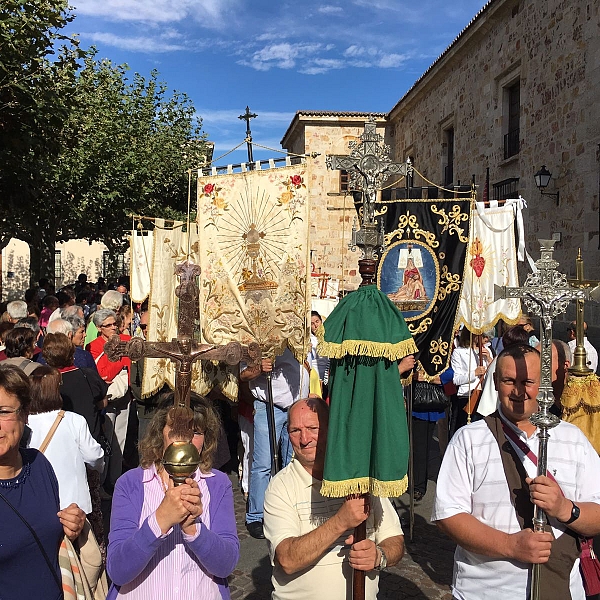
(553, 49)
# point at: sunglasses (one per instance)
(109, 325)
(143, 326)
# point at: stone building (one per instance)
(517, 89)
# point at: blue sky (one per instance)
(278, 57)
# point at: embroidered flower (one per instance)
(296, 180)
(208, 189)
(285, 198)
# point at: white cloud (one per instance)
(281, 56)
(135, 44)
(329, 10)
(210, 13)
(390, 61)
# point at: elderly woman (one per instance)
(83, 391)
(71, 447)
(117, 412)
(32, 523)
(163, 536)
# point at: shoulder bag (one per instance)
(429, 397)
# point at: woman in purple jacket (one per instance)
(173, 542)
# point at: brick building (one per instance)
(517, 89)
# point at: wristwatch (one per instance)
(383, 562)
(574, 514)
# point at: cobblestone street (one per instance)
(424, 572)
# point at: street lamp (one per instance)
(542, 179)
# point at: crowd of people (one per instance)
(70, 443)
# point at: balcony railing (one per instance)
(511, 143)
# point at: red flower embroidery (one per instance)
(209, 188)
(296, 180)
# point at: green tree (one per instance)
(37, 69)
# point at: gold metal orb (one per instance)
(180, 460)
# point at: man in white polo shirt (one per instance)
(487, 487)
(310, 536)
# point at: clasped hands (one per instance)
(182, 504)
(534, 547)
(363, 554)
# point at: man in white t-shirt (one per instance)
(310, 537)
(488, 482)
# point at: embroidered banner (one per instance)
(491, 260)
(254, 256)
(421, 271)
(142, 251)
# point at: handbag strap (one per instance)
(37, 540)
(50, 435)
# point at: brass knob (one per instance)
(180, 460)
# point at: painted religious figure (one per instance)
(408, 277)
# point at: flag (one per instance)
(421, 271)
(142, 252)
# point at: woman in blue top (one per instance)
(32, 525)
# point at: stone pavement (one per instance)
(424, 572)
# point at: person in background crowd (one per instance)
(17, 309)
(66, 298)
(28, 483)
(117, 412)
(111, 300)
(33, 324)
(5, 327)
(592, 353)
(124, 318)
(50, 304)
(82, 358)
(317, 362)
(465, 364)
(72, 445)
(20, 346)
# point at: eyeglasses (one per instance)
(9, 414)
(109, 325)
(143, 326)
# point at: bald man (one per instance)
(310, 537)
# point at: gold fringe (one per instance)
(364, 485)
(367, 348)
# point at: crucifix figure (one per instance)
(246, 117)
(546, 294)
(183, 349)
(368, 166)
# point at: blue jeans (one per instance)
(260, 474)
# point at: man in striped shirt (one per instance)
(310, 536)
(488, 485)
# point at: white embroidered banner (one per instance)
(254, 256)
(142, 247)
(491, 260)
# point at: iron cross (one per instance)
(183, 349)
(246, 117)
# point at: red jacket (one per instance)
(108, 370)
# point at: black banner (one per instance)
(421, 270)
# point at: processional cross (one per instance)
(546, 294)
(368, 165)
(183, 349)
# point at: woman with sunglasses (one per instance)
(117, 412)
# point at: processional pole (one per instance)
(546, 293)
(368, 166)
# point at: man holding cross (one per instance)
(487, 487)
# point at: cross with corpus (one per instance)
(368, 165)
(183, 349)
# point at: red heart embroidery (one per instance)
(478, 264)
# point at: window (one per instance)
(449, 168)
(57, 266)
(513, 104)
(344, 181)
(113, 266)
